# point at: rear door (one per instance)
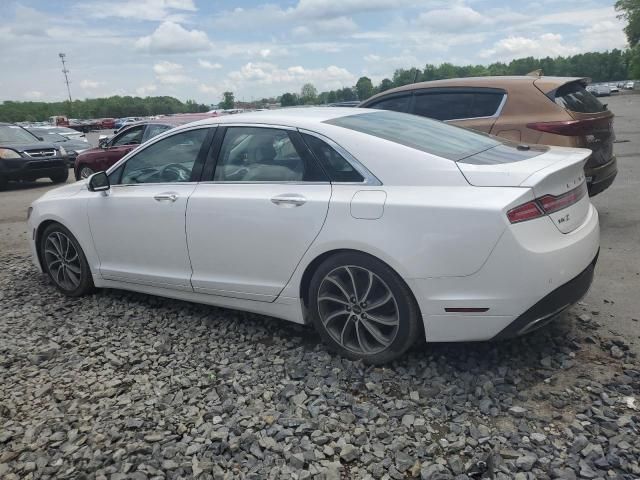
(264, 203)
(119, 146)
(476, 108)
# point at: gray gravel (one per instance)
(127, 386)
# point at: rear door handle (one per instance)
(289, 200)
(162, 197)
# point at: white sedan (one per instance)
(377, 227)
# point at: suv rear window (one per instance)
(430, 136)
(573, 96)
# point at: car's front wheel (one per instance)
(362, 308)
(84, 172)
(60, 177)
(64, 261)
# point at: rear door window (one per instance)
(456, 105)
(336, 166)
(397, 103)
(573, 96)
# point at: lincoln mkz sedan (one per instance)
(375, 226)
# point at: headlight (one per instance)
(8, 153)
(63, 152)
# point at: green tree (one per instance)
(288, 100)
(364, 87)
(630, 11)
(331, 98)
(308, 94)
(385, 84)
(228, 101)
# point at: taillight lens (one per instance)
(574, 128)
(546, 204)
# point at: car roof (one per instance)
(498, 81)
(292, 117)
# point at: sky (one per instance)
(197, 49)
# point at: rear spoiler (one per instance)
(549, 85)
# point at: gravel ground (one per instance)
(119, 385)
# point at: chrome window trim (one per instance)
(369, 178)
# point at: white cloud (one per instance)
(208, 65)
(372, 58)
(146, 90)
(153, 10)
(169, 73)
(90, 84)
(293, 77)
(329, 26)
(547, 44)
(455, 18)
(606, 34)
(171, 37)
(33, 94)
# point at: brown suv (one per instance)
(525, 109)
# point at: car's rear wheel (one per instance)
(363, 309)
(64, 261)
(60, 177)
(84, 172)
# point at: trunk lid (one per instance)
(555, 174)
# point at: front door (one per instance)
(250, 225)
(138, 228)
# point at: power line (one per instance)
(66, 77)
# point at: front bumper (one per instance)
(552, 305)
(23, 169)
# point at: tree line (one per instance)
(612, 65)
(109, 107)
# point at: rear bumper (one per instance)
(551, 306)
(600, 178)
(530, 261)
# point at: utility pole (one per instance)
(66, 78)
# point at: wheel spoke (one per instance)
(375, 333)
(368, 290)
(331, 298)
(52, 252)
(330, 317)
(344, 329)
(74, 268)
(72, 277)
(382, 321)
(338, 284)
(359, 338)
(56, 245)
(378, 303)
(353, 283)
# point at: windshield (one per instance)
(16, 134)
(431, 136)
(50, 136)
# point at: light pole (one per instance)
(66, 78)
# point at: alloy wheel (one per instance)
(85, 172)
(63, 261)
(358, 309)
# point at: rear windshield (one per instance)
(431, 136)
(573, 96)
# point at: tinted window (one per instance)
(452, 105)
(574, 97)
(166, 161)
(398, 103)
(133, 136)
(421, 133)
(251, 154)
(338, 169)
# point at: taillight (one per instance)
(546, 204)
(573, 128)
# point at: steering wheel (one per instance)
(175, 172)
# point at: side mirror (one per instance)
(103, 142)
(99, 182)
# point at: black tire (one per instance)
(79, 172)
(85, 283)
(3, 183)
(60, 177)
(399, 337)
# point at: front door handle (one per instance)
(289, 200)
(162, 197)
